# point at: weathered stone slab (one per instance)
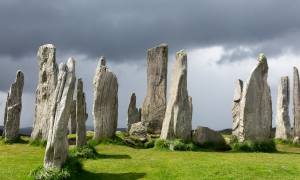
(81, 115)
(133, 114)
(13, 109)
(72, 121)
(105, 107)
(296, 103)
(203, 135)
(57, 142)
(154, 105)
(138, 130)
(178, 117)
(236, 127)
(48, 71)
(283, 126)
(256, 105)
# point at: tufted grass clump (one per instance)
(162, 144)
(71, 168)
(174, 145)
(85, 152)
(38, 142)
(249, 146)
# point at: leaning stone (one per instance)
(81, 115)
(236, 127)
(72, 121)
(256, 105)
(105, 107)
(133, 115)
(13, 109)
(178, 117)
(296, 103)
(48, 71)
(283, 127)
(154, 105)
(57, 143)
(203, 135)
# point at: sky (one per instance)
(222, 39)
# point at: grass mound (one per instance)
(85, 152)
(71, 168)
(249, 146)
(174, 145)
(38, 142)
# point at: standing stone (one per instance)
(5, 116)
(13, 109)
(105, 107)
(283, 127)
(236, 127)
(57, 143)
(81, 115)
(154, 106)
(178, 118)
(296, 103)
(133, 114)
(48, 71)
(72, 121)
(256, 105)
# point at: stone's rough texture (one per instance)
(48, 71)
(283, 127)
(203, 135)
(178, 117)
(105, 107)
(154, 105)
(81, 115)
(296, 103)
(256, 105)
(5, 116)
(13, 109)
(72, 121)
(57, 143)
(236, 108)
(138, 130)
(133, 114)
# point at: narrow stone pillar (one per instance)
(133, 115)
(296, 103)
(81, 115)
(238, 90)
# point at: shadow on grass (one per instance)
(113, 156)
(111, 176)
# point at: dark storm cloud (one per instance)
(125, 29)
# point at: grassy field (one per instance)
(122, 162)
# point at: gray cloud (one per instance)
(123, 30)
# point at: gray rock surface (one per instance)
(138, 130)
(105, 107)
(81, 115)
(236, 108)
(133, 114)
(296, 103)
(72, 120)
(154, 105)
(48, 71)
(13, 109)
(256, 105)
(283, 126)
(57, 142)
(203, 135)
(177, 123)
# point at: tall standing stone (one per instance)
(154, 106)
(178, 117)
(57, 143)
(81, 115)
(283, 127)
(72, 121)
(48, 71)
(105, 107)
(13, 109)
(133, 114)
(296, 103)
(256, 105)
(238, 90)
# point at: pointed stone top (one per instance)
(181, 53)
(295, 68)
(20, 73)
(102, 61)
(238, 89)
(261, 57)
(71, 64)
(50, 46)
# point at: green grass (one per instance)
(123, 162)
